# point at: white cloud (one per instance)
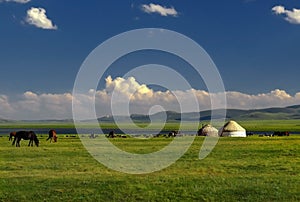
(278, 9)
(292, 16)
(43, 106)
(275, 98)
(156, 8)
(142, 98)
(16, 1)
(38, 18)
(5, 108)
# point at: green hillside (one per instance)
(276, 113)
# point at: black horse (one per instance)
(111, 134)
(26, 135)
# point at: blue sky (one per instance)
(254, 47)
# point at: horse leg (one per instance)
(18, 142)
(14, 141)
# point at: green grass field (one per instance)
(238, 169)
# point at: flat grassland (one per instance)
(238, 169)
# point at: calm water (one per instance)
(6, 131)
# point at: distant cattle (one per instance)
(25, 135)
(284, 133)
(249, 134)
(52, 136)
(172, 133)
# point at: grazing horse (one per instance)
(52, 135)
(26, 135)
(11, 135)
(111, 134)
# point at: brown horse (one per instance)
(52, 135)
(11, 135)
(26, 135)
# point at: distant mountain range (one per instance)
(4, 121)
(274, 113)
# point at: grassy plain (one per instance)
(250, 125)
(238, 169)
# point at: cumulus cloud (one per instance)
(156, 8)
(16, 1)
(5, 108)
(38, 18)
(36, 106)
(275, 98)
(142, 98)
(292, 16)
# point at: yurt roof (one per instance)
(232, 126)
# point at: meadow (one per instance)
(238, 169)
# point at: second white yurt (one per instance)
(208, 130)
(232, 129)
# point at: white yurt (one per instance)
(232, 129)
(208, 130)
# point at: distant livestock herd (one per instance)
(277, 133)
(52, 136)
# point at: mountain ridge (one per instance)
(271, 113)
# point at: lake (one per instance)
(6, 131)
